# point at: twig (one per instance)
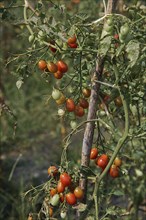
(14, 166)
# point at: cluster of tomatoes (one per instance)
(70, 105)
(57, 69)
(64, 191)
(72, 42)
(102, 161)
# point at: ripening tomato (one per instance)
(118, 101)
(114, 171)
(52, 67)
(70, 105)
(117, 162)
(79, 111)
(102, 106)
(65, 179)
(78, 192)
(102, 161)
(58, 75)
(62, 66)
(86, 92)
(61, 100)
(74, 45)
(52, 171)
(30, 217)
(42, 65)
(72, 40)
(53, 191)
(94, 153)
(50, 212)
(70, 198)
(60, 187)
(83, 103)
(61, 195)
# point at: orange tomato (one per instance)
(42, 65)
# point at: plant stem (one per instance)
(118, 147)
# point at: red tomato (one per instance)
(106, 98)
(70, 198)
(53, 191)
(42, 65)
(70, 105)
(102, 161)
(60, 187)
(116, 37)
(78, 192)
(74, 45)
(86, 92)
(58, 75)
(52, 67)
(94, 153)
(52, 171)
(83, 103)
(72, 40)
(62, 66)
(79, 111)
(114, 171)
(117, 162)
(65, 179)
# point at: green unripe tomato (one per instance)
(63, 215)
(61, 112)
(31, 38)
(56, 94)
(55, 200)
(108, 28)
(73, 124)
(110, 21)
(41, 35)
(124, 30)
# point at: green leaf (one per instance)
(133, 49)
(117, 193)
(105, 45)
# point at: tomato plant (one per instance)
(102, 79)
